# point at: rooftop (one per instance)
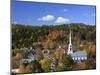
(79, 54)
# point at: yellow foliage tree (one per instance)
(45, 64)
(60, 67)
(16, 50)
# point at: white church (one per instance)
(77, 56)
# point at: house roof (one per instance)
(79, 54)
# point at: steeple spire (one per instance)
(70, 38)
(70, 50)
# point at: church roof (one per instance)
(79, 54)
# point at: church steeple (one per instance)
(70, 50)
(70, 38)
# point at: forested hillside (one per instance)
(26, 36)
(50, 37)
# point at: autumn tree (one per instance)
(18, 56)
(22, 69)
(15, 51)
(16, 59)
(49, 44)
(82, 66)
(15, 63)
(45, 64)
(60, 54)
(39, 53)
(29, 68)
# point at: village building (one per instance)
(29, 55)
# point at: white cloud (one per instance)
(47, 18)
(61, 20)
(65, 10)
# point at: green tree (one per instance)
(36, 67)
(60, 67)
(68, 63)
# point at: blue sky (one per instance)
(34, 13)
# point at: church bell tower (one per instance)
(70, 49)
